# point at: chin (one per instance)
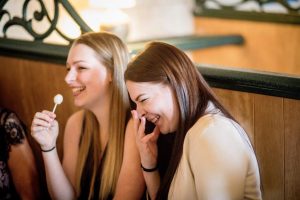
(78, 104)
(163, 131)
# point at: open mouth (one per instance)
(154, 119)
(76, 91)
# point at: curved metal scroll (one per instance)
(39, 16)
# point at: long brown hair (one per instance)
(113, 53)
(164, 63)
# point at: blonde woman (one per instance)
(100, 158)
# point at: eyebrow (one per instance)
(77, 61)
(139, 96)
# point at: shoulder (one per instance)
(211, 124)
(129, 124)
(12, 126)
(74, 125)
(76, 117)
(217, 131)
(129, 131)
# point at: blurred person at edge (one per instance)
(18, 173)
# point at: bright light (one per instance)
(112, 3)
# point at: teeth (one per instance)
(78, 89)
(154, 120)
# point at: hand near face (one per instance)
(44, 129)
(147, 144)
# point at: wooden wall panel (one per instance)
(268, 46)
(28, 86)
(269, 140)
(241, 106)
(292, 148)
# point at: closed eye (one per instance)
(81, 68)
(142, 100)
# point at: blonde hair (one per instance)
(113, 53)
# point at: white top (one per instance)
(218, 162)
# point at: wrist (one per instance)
(149, 169)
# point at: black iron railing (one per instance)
(26, 22)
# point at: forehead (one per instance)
(137, 88)
(81, 51)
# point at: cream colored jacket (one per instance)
(217, 163)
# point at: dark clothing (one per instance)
(165, 146)
(12, 132)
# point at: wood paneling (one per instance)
(240, 105)
(270, 47)
(292, 148)
(28, 86)
(273, 126)
(269, 140)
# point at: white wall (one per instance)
(161, 18)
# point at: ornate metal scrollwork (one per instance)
(26, 22)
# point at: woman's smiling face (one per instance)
(87, 77)
(157, 102)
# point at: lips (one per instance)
(77, 90)
(154, 119)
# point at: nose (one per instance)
(141, 112)
(71, 76)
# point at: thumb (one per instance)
(155, 134)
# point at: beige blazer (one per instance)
(218, 162)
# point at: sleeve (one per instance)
(217, 160)
(15, 130)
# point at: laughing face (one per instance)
(87, 77)
(155, 101)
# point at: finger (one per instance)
(141, 129)
(155, 134)
(43, 116)
(136, 121)
(37, 129)
(50, 114)
(54, 125)
(40, 122)
(152, 137)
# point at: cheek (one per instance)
(84, 77)
(172, 109)
(95, 78)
